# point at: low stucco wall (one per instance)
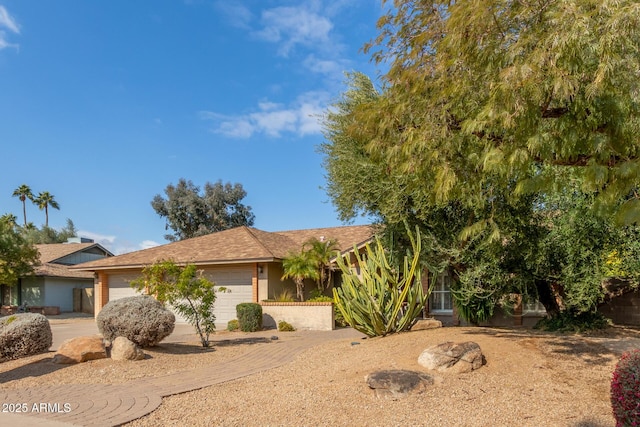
(315, 316)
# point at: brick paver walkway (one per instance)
(112, 405)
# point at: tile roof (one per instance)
(236, 245)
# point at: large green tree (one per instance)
(191, 213)
(490, 113)
(479, 95)
(18, 257)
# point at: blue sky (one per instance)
(104, 103)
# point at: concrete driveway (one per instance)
(71, 325)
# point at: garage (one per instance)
(237, 280)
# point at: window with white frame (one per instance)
(440, 300)
(533, 307)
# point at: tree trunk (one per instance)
(300, 289)
(547, 297)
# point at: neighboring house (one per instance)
(245, 260)
(53, 283)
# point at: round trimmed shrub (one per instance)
(284, 326)
(625, 390)
(232, 325)
(141, 319)
(23, 335)
(249, 316)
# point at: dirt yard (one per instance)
(530, 379)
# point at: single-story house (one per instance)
(245, 260)
(51, 288)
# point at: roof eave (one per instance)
(197, 263)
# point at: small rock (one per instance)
(80, 349)
(424, 324)
(124, 349)
(397, 383)
(355, 343)
(452, 357)
(274, 338)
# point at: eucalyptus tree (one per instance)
(189, 212)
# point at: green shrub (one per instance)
(249, 316)
(232, 325)
(568, 321)
(625, 390)
(285, 326)
(285, 296)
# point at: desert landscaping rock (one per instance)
(24, 334)
(124, 349)
(397, 383)
(424, 324)
(141, 319)
(452, 357)
(80, 349)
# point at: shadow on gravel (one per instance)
(36, 368)
(589, 349)
(196, 348)
(241, 341)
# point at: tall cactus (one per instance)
(383, 299)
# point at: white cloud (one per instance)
(115, 244)
(237, 15)
(6, 21)
(324, 66)
(272, 119)
(146, 244)
(292, 26)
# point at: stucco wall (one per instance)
(301, 315)
(623, 310)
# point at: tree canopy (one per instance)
(191, 213)
(18, 257)
(501, 128)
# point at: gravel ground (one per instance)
(530, 379)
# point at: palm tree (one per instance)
(321, 252)
(44, 200)
(299, 267)
(23, 193)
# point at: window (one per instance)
(440, 299)
(533, 307)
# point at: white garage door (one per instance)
(119, 286)
(237, 280)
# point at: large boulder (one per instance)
(452, 357)
(124, 349)
(80, 349)
(396, 383)
(140, 319)
(23, 335)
